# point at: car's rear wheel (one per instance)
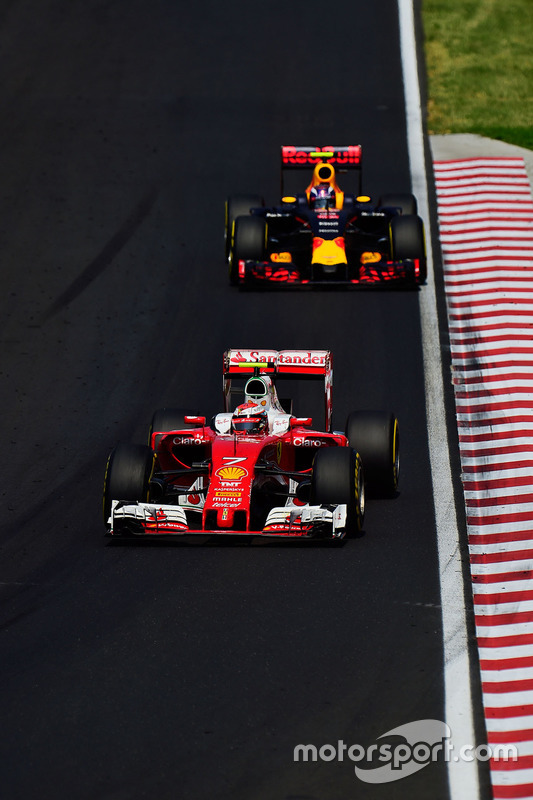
(167, 419)
(249, 242)
(338, 479)
(376, 437)
(127, 475)
(238, 206)
(405, 202)
(409, 242)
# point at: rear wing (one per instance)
(343, 158)
(317, 364)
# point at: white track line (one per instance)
(462, 775)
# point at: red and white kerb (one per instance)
(486, 229)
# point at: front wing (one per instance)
(383, 274)
(148, 519)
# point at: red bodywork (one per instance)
(210, 480)
(238, 467)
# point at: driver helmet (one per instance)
(249, 418)
(322, 196)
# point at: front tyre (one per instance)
(249, 243)
(376, 436)
(408, 241)
(338, 480)
(127, 476)
(238, 206)
(406, 203)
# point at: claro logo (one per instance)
(299, 441)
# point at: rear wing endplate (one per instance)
(297, 364)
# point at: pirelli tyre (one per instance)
(337, 479)
(167, 419)
(408, 241)
(376, 437)
(249, 242)
(238, 205)
(127, 476)
(407, 203)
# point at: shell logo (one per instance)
(231, 473)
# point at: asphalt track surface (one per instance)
(192, 670)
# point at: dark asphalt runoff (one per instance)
(192, 670)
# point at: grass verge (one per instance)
(480, 68)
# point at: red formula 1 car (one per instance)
(257, 469)
(323, 235)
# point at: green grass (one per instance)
(479, 59)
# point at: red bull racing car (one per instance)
(323, 235)
(255, 469)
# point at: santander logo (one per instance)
(253, 355)
(282, 357)
(308, 358)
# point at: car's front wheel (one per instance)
(238, 206)
(127, 476)
(249, 242)
(406, 203)
(376, 437)
(408, 241)
(337, 479)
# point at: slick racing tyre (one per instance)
(376, 437)
(249, 242)
(167, 419)
(338, 479)
(405, 202)
(408, 241)
(127, 476)
(238, 206)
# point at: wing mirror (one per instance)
(298, 422)
(194, 420)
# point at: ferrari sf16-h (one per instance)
(323, 235)
(253, 470)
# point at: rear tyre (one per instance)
(249, 242)
(376, 437)
(409, 242)
(238, 206)
(405, 202)
(127, 476)
(338, 479)
(167, 419)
